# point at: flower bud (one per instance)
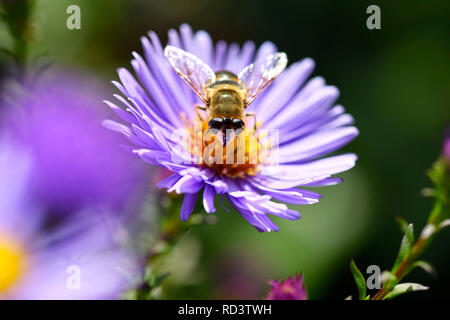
(289, 289)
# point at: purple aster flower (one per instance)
(310, 126)
(76, 161)
(78, 260)
(290, 289)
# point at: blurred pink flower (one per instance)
(290, 289)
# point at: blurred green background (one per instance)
(394, 81)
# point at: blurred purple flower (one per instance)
(310, 125)
(290, 289)
(76, 161)
(78, 260)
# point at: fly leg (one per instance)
(254, 120)
(197, 111)
(200, 117)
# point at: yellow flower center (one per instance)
(239, 157)
(12, 263)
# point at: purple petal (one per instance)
(316, 145)
(208, 199)
(220, 50)
(288, 176)
(305, 105)
(187, 184)
(292, 195)
(283, 89)
(203, 47)
(324, 182)
(168, 182)
(188, 205)
(267, 48)
(245, 56)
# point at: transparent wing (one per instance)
(259, 75)
(197, 74)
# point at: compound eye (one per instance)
(238, 124)
(215, 123)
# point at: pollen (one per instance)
(231, 154)
(12, 263)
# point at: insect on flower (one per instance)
(155, 105)
(225, 95)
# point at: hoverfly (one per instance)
(225, 95)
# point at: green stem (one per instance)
(172, 228)
(440, 177)
(405, 267)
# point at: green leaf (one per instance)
(148, 274)
(158, 279)
(359, 280)
(425, 266)
(407, 229)
(388, 276)
(404, 288)
(388, 279)
(428, 231)
(152, 278)
(406, 244)
(444, 224)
